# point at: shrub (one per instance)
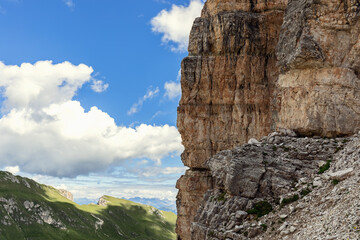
(324, 167)
(305, 192)
(287, 201)
(264, 227)
(335, 182)
(222, 197)
(260, 209)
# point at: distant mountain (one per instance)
(29, 210)
(164, 205)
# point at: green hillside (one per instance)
(29, 210)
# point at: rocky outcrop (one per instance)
(316, 202)
(256, 67)
(268, 173)
(102, 201)
(66, 194)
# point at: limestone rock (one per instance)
(319, 87)
(66, 194)
(102, 201)
(192, 187)
(341, 175)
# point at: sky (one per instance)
(89, 91)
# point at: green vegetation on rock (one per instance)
(289, 200)
(260, 209)
(324, 167)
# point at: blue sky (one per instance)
(89, 91)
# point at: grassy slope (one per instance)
(123, 219)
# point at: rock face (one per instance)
(318, 52)
(256, 67)
(227, 79)
(227, 83)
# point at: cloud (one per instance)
(156, 171)
(97, 185)
(173, 89)
(99, 86)
(61, 186)
(44, 131)
(14, 170)
(149, 95)
(69, 3)
(175, 24)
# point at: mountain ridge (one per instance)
(29, 210)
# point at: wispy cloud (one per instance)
(99, 86)
(173, 90)
(175, 24)
(137, 106)
(70, 3)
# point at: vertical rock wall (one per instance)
(227, 83)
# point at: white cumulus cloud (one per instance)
(12, 169)
(175, 24)
(173, 89)
(149, 95)
(44, 131)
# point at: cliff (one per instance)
(255, 67)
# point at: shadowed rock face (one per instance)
(259, 66)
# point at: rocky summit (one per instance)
(269, 116)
